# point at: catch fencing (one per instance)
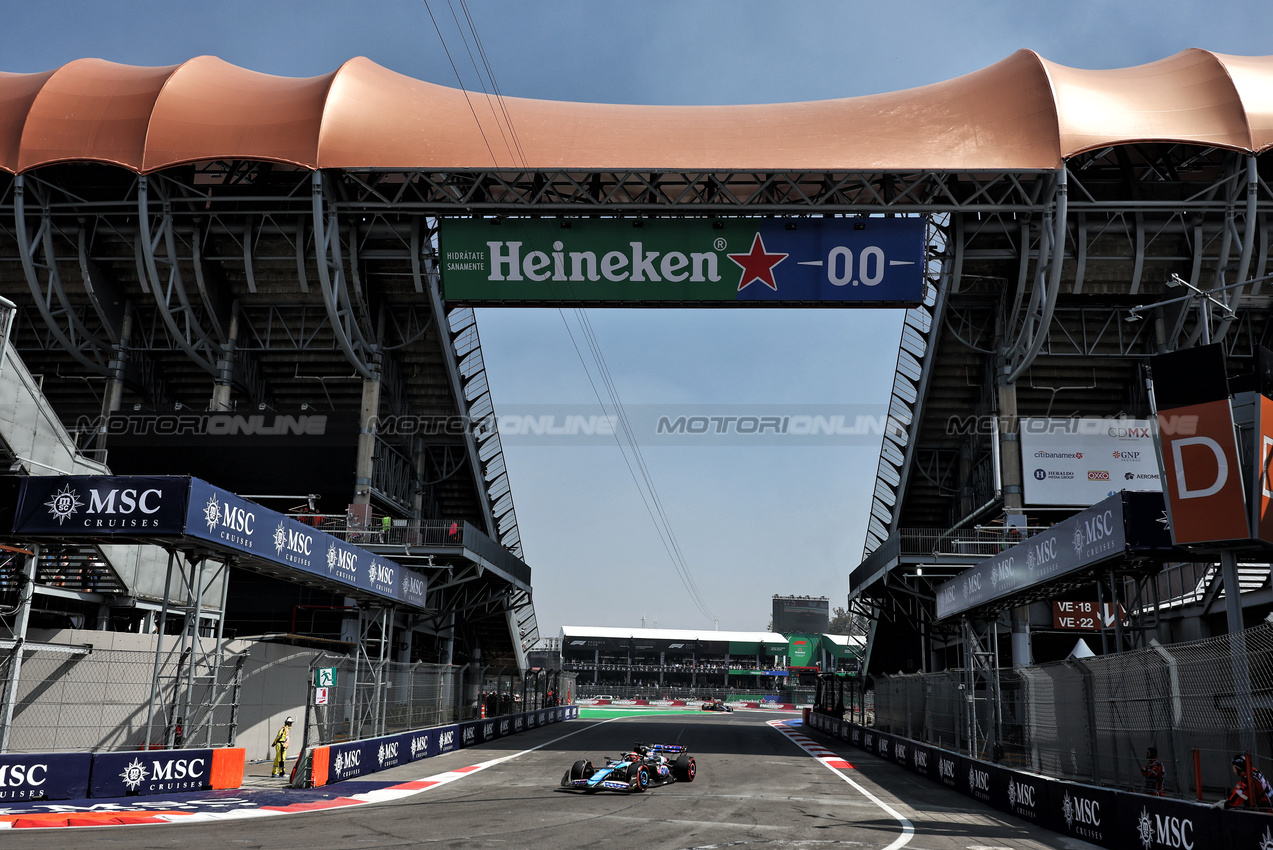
(73, 698)
(1092, 719)
(369, 700)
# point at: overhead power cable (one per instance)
(645, 482)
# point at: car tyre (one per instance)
(638, 777)
(581, 769)
(684, 768)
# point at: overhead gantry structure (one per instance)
(209, 236)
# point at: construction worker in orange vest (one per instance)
(280, 747)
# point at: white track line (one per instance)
(378, 796)
(826, 757)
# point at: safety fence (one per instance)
(77, 698)
(363, 700)
(1093, 719)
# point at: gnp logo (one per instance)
(1164, 831)
(1098, 475)
(470, 735)
(1127, 456)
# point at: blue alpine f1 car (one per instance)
(645, 765)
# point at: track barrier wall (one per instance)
(1103, 816)
(338, 762)
(72, 776)
(683, 703)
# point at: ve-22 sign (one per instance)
(689, 262)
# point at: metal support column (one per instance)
(363, 464)
(1237, 649)
(19, 640)
(159, 648)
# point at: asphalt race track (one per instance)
(755, 789)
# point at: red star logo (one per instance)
(757, 265)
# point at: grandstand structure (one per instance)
(254, 251)
(631, 661)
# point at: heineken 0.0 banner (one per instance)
(708, 262)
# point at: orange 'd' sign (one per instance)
(1262, 527)
(1202, 475)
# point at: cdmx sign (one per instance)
(708, 262)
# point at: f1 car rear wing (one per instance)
(661, 748)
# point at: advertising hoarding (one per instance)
(714, 262)
(180, 506)
(1205, 496)
(102, 506)
(1078, 462)
(802, 650)
(1105, 530)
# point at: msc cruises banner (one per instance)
(153, 506)
(173, 506)
(1099, 533)
(863, 261)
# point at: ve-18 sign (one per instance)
(685, 262)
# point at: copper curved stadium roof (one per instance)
(1023, 113)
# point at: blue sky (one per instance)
(751, 521)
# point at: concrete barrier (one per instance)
(338, 762)
(1108, 817)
